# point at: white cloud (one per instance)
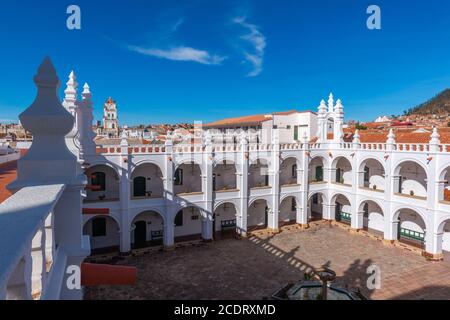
(258, 42)
(181, 54)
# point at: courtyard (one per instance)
(256, 267)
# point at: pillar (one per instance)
(125, 196)
(273, 217)
(302, 205)
(241, 220)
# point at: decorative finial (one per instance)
(356, 137)
(323, 107)
(391, 137)
(330, 103)
(435, 137)
(86, 94)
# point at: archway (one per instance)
(411, 180)
(147, 230)
(372, 175)
(411, 227)
(224, 176)
(187, 178)
(147, 181)
(444, 187)
(288, 172)
(316, 170)
(288, 211)
(104, 234)
(343, 210)
(316, 207)
(225, 220)
(258, 174)
(188, 224)
(103, 184)
(257, 215)
(444, 229)
(373, 217)
(341, 171)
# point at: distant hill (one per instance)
(440, 104)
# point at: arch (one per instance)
(104, 236)
(147, 229)
(235, 202)
(188, 223)
(147, 181)
(103, 163)
(188, 161)
(410, 229)
(288, 171)
(316, 169)
(139, 163)
(258, 211)
(224, 176)
(258, 174)
(371, 157)
(225, 218)
(323, 157)
(259, 159)
(444, 230)
(108, 189)
(444, 184)
(288, 210)
(411, 182)
(373, 216)
(372, 173)
(342, 206)
(316, 205)
(341, 170)
(188, 178)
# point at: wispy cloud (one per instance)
(258, 42)
(181, 53)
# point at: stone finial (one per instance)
(124, 141)
(70, 94)
(339, 108)
(331, 103)
(86, 94)
(169, 138)
(243, 137)
(391, 137)
(322, 107)
(435, 137)
(356, 137)
(49, 122)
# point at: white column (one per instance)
(241, 220)
(275, 183)
(302, 205)
(207, 216)
(125, 196)
(169, 225)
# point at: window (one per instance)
(214, 182)
(275, 126)
(98, 227)
(179, 219)
(319, 173)
(366, 209)
(296, 133)
(293, 205)
(98, 180)
(288, 127)
(178, 177)
(339, 175)
(294, 171)
(366, 174)
(139, 187)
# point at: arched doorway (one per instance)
(225, 220)
(257, 215)
(444, 187)
(147, 230)
(288, 211)
(147, 182)
(104, 234)
(373, 217)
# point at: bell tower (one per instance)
(110, 119)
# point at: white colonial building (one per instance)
(144, 195)
(131, 196)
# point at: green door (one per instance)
(295, 133)
(319, 173)
(139, 187)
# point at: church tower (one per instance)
(110, 119)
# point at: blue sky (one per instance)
(180, 61)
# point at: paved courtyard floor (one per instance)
(256, 267)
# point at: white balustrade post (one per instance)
(49, 161)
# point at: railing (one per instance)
(28, 256)
(412, 235)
